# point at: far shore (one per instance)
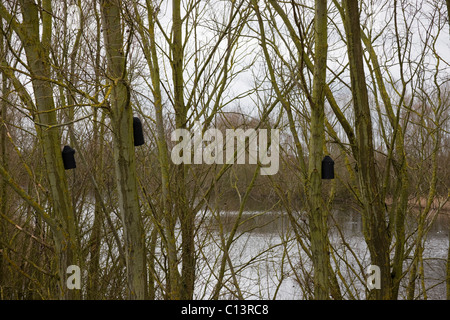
(439, 203)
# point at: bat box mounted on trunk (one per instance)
(327, 168)
(68, 156)
(137, 132)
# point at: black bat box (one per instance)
(68, 156)
(138, 132)
(327, 168)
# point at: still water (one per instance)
(267, 258)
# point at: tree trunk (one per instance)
(37, 53)
(317, 210)
(4, 163)
(124, 155)
(374, 224)
(95, 239)
(182, 208)
(166, 216)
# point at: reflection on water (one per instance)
(271, 263)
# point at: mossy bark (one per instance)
(317, 208)
(37, 50)
(121, 115)
(374, 222)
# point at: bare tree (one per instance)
(121, 114)
(37, 51)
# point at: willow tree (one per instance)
(121, 114)
(3, 158)
(165, 216)
(35, 33)
(183, 211)
(374, 220)
(189, 78)
(316, 206)
(317, 210)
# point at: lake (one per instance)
(269, 262)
